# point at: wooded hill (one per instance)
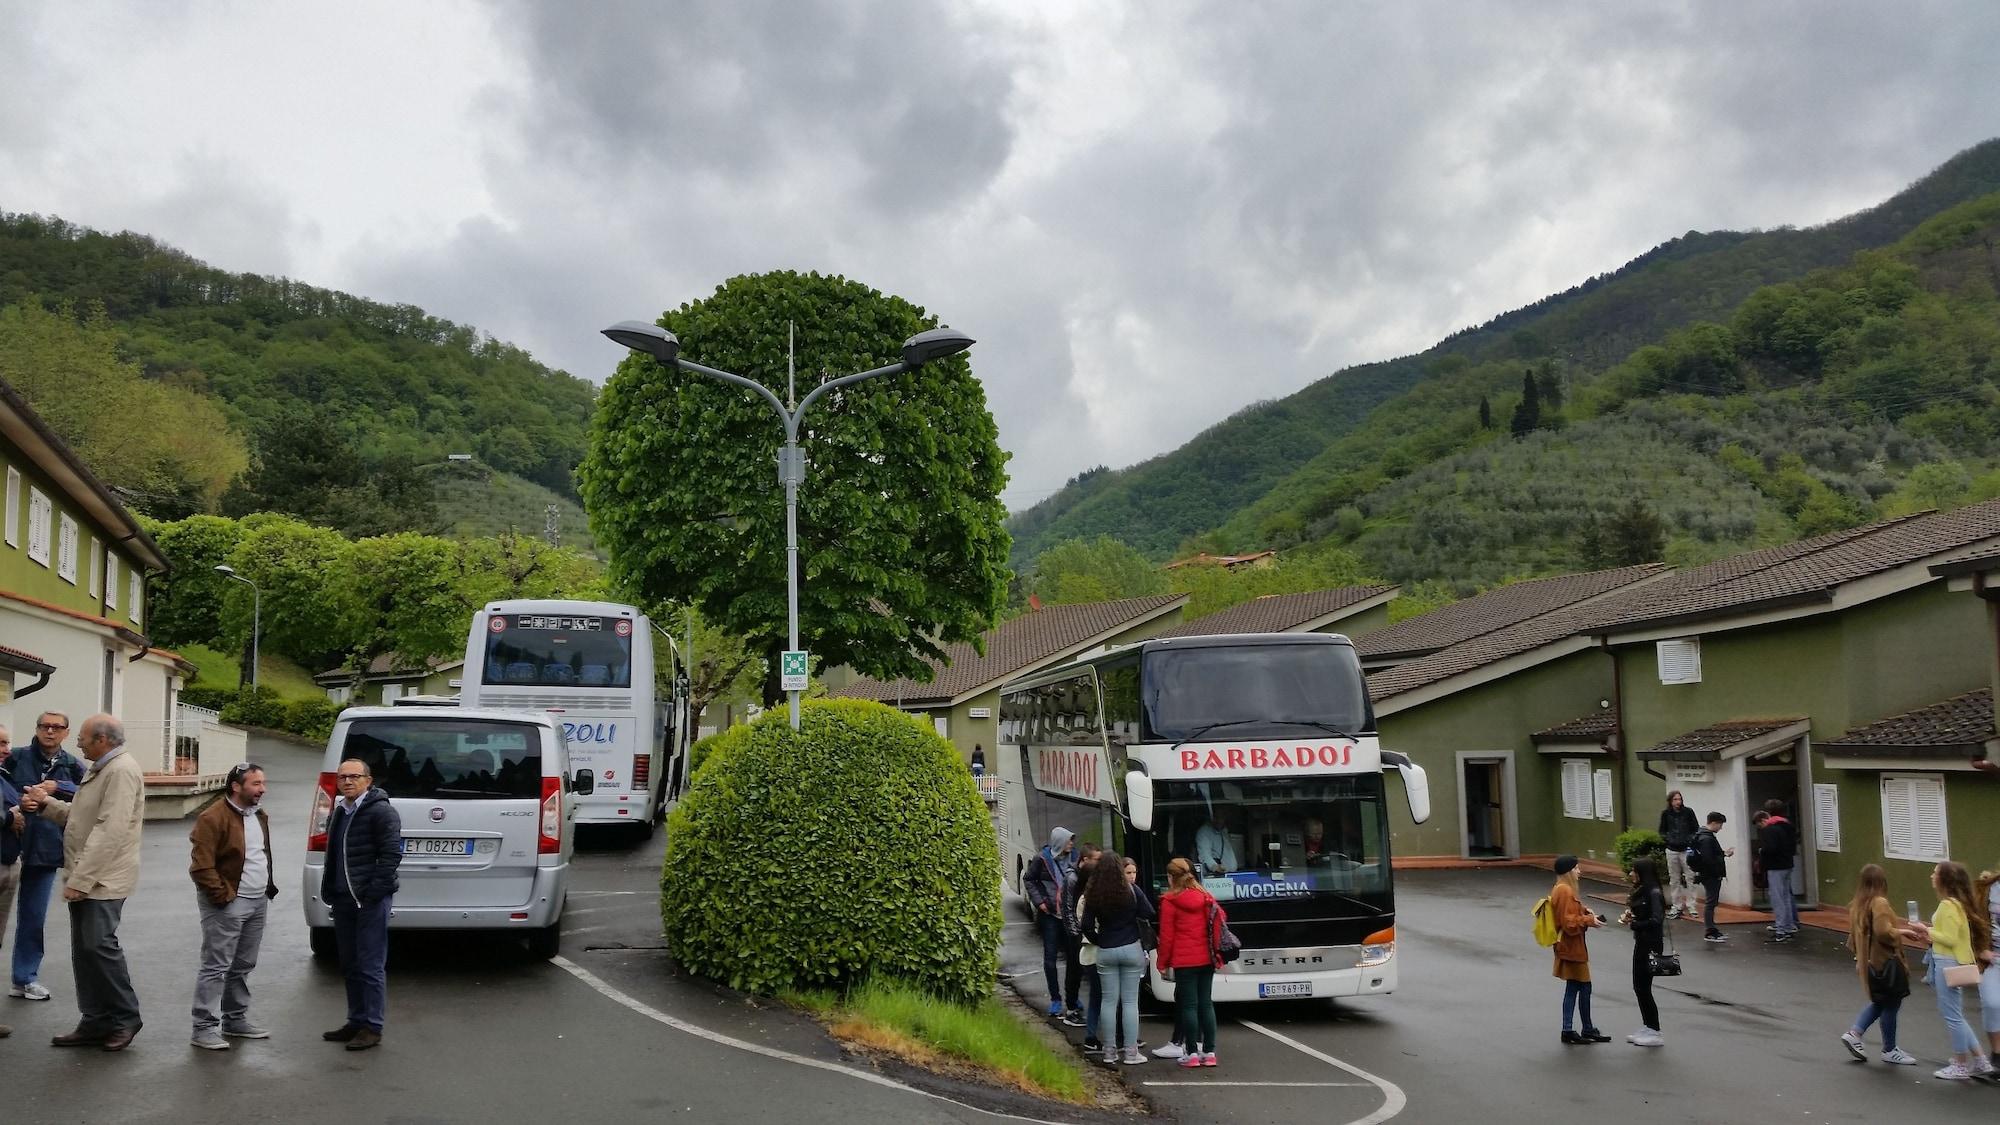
(1749, 387)
(340, 406)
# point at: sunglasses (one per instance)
(51, 726)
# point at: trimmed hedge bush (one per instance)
(307, 718)
(701, 751)
(1635, 842)
(213, 698)
(856, 848)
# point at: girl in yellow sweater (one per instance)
(1959, 934)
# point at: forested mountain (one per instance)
(342, 404)
(1296, 469)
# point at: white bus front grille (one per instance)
(577, 700)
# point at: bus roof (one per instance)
(561, 605)
(1221, 640)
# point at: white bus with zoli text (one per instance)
(594, 665)
(1253, 756)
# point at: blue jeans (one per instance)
(1096, 989)
(363, 938)
(1887, 1014)
(1784, 908)
(32, 900)
(1117, 1008)
(1951, 1005)
(1051, 929)
(1577, 993)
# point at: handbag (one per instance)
(1149, 933)
(1664, 962)
(1222, 941)
(1087, 953)
(1890, 983)
(1962, 976)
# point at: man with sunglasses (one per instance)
(41, 768)
(364, 846)
(234, 877)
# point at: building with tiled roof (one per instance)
(392, 676)
(1960, 727)
(962, 698)
(74, 602)
(1352, 611)
(1491, 612)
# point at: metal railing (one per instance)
(193, 743)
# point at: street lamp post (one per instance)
(664, 346)
(256, 617)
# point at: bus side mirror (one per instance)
(583, 784)
(1417, 787)
(1139, 800)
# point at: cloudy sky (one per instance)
(1150, 214)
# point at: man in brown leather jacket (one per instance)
(235, 881)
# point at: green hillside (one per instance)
(1275, 470)
(343, 402)
(475, 500)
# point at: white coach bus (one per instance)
(594, 663)
(1253, 756)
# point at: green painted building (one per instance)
(389, 678)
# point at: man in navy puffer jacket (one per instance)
(364, 845)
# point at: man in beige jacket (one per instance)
(101, 833)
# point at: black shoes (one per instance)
(342, 1034)
(1587, 1036)
(364, 1038)
(1572, 1039)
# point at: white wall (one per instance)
(1724, 792)
(138, 691)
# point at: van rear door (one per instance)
(469, 793)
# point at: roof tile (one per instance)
(1961, 721)
(1494, 610)
(1277, 613)
(1601, 723)
(1718, 737)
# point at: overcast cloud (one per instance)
(1151, 215)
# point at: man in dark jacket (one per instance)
(1042, 882)
(11, 824)
(45, 766)
(1776, 844)
(364, 845)
(1710, 862)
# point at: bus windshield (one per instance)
(1280, 838)
(1254, 691)
(541, 650)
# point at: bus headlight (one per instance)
(1377, 948)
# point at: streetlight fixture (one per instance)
(256, 617)
(651, 339)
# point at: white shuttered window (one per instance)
(1913, 822)
(66, 550)
(135, 593)
(1680, 661)
(41, 526)
(1577, 801)
(13, 506)
(1601, 794)
(110, 581)
(1826, 817)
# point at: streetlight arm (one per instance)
(895, 368)
(777, 403)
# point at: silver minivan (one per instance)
(488, 830)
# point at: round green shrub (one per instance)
(1635, 842)
(704, 749)
(857, 847)
(311, 718)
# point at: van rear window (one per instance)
(449, 759)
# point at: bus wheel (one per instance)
(320, 938)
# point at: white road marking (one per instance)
(604, 989)
(1197, 1081)
(1393, 1094)
(592, 894)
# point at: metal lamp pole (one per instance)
(256, 617)
(664, 346)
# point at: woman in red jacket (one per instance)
(1188, 951)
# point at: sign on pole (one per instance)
(792, 670)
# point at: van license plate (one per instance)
(1284, 988)
(432, 845)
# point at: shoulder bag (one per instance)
(1664, 962)
(1222, 942)
(1890, 983)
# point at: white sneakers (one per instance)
(33, 990)
(1646, 1037)
(1854, 1046)
(1169, 1051)
(1899, 1057)
(1952, 1072)
(1130, 1057)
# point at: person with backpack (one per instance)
(1646, 913)
(1190, 951)
(1872, 934)
(1709, 861)
(1042, 882)
(1573, 920)
(1777, 845)
(1678, 828)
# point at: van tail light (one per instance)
(642, 772)
(551, 841)
(322, 814)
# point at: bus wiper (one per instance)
(1213, 726)
(1332, 730)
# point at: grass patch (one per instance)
(214, 668)
(912, 1025)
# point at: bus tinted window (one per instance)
(1254, 691)
(548, 651)
(449, 759)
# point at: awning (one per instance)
(1737, 738)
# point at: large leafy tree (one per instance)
(900, 538)
(1094, 570)
(187, 605)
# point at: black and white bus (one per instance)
(1253, 756)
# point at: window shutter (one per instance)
(135, 594)
(1826, 817)
(110, 581)
(1680, 661)
(1576, 788)
(1927, 804)
(96, 570)
(41, 515)
(13, 506)
(1602, 794)
(1913, 817)
(66, 550)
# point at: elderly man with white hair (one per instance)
(101, 834)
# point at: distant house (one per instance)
(962, 699)
(1502, 704)
(390, 677)
(1256, 560)
(73, 597)
(1353, 611)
